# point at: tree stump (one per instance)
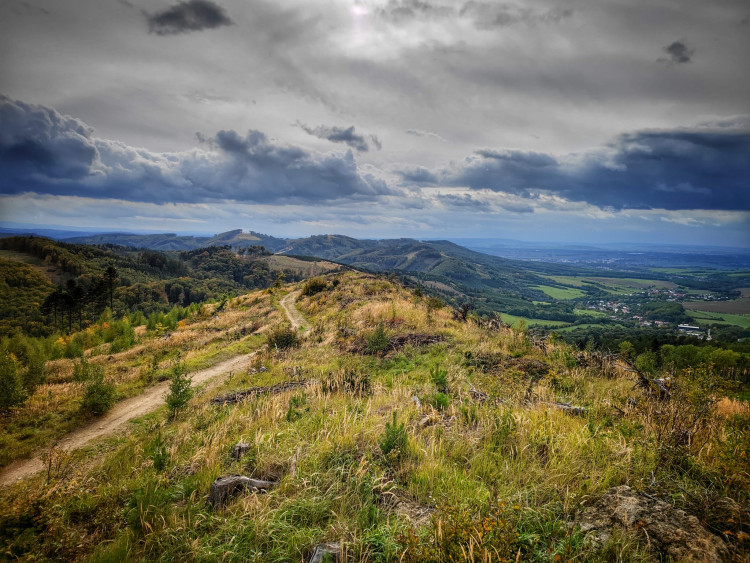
(239, 450)
(326, 552)
(224, 488)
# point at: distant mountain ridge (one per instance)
(496, 283)
(171, 241)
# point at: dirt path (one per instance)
(122, 412)
(295, 317)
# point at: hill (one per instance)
(69, 284)
(391, 428)
(171, 241)
(588, 300)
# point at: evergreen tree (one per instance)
(11, 386)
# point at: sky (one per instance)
(564, 121)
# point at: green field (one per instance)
(634, 283)
(586, 325)
(590, 313)
(560, 293)
(513, 319)
(568, 280)
(720, 318)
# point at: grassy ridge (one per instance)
(476, 456)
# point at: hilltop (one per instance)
(391, 426)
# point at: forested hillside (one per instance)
(125, 279)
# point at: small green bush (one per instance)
(377, 341)
(393, 440)
(440, 379)
(180, 390)
(98, 397)
(84, 371)
(157, 451)
(282, 338)
(440, 401)
(313, 286)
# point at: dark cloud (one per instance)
(419, 176)
(483, 15)
(678, 169)
(490, 15)
(405, 10)
(193, 15)
(45, 152)
(464, 201)
(345, 135)
(679, 53)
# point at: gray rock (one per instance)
(326, 552)
(667, 531)
(224, 488)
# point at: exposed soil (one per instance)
(121, 413)
(295, 317)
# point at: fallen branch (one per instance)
(567, 407)
(659, 386)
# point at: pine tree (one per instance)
(11, 386)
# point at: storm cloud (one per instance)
(703, 168)
(419, 176)
(489, 15)
(345, 135)
(43, 151)
(483, 15)
(679, 53)
(183, 17)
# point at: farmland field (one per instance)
(560, 293)
(634, 283)
(733, 307)
(590, 313)
(720, 318)
(513, 320)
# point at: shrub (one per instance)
(84, 371)
(434, 303)
(313, 286)
(282, 338)
(377, 341)
(180, 390)
(487, 532)
(440, 401)
(440, 379)
(157, 451)
(34, 375)
(11, 387)
(393, 440)
(98, 397)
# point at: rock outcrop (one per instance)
(666, 530)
